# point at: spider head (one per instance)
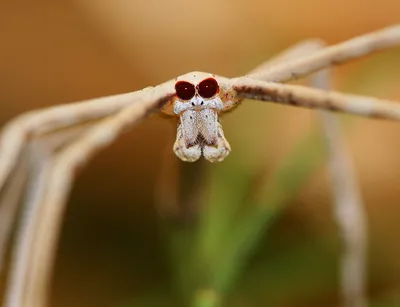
(196, 91)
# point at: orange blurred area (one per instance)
(55, 52)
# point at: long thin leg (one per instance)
(13, 190)
(348, 205)
(333, 55)
(36, 123)
(9, 201)
(305, 97)
(45, 225)
(20, 258)
(349, 209)
(292, 53)
(16, 133)
(38, 152)
(298, 50)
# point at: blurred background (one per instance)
(142, 229)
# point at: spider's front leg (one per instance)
(220, 151)
(182, 150)
(200, 132)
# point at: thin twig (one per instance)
(349, 208)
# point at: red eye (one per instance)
(185, 90)
(208, 88)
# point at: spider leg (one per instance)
(40, 151)
(348, 203)
(9, 201)
(30, 127)
(188, 154)
(348, 207)
(16, 133)
(302, 96)
(219, 152)
(334, 55)
(291, 53)
(40, 159)
(36, 157)
(37, 149)
(50, 201)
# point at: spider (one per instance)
(62, 138)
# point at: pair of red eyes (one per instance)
(206, 89)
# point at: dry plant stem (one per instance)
(305, 97)
(334, 55)
(52, 201)
(349, 208)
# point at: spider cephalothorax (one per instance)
(198, 102)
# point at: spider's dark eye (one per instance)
(208, 88)
(185, 90)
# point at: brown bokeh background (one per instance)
(54, 52)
